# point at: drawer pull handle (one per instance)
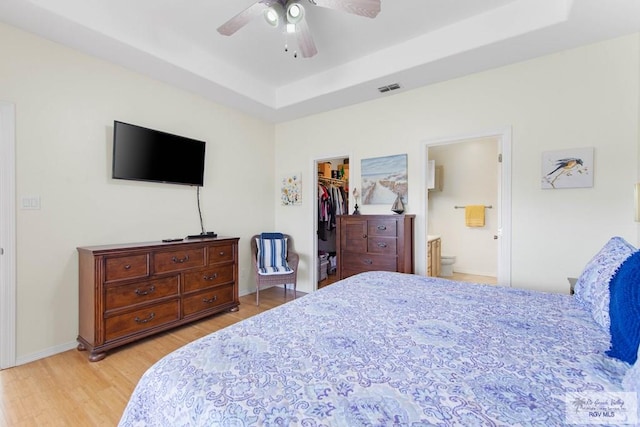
(221, 253)
(382, 227)
(367, 261)
(127, 267)
(180, 260)
(212, 277)
(382, 245)
(364, 236)
(210, 300)
(142, 293)
(148, 319)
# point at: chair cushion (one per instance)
(272, 255)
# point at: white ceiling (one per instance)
(411, 42)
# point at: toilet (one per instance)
(446, 265)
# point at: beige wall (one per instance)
(586, 97)
(66, 103)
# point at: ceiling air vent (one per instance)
(388, 88)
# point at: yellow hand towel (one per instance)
(474, 216)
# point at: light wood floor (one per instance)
(68, 390)
(462, 277)
(331, 278)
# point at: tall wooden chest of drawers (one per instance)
(374, 242)
(128, 292)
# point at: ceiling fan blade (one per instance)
(305, 41)
(367, 8)
(243, 18)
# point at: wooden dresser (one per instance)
(131, 291)
(374, 242)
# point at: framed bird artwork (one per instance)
(570, 168)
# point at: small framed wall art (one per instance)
(384, 179)
(570, 168)
(291, 190)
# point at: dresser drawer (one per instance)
(382, 227)
(382, 245)
(136, 293)
(207, 300)
(220, 253)
(126, 267)
(195, 280)
(139, 320)
(164, 262)
(368, 262)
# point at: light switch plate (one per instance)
(30, 202)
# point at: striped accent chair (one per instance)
(274, 261)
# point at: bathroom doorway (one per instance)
(471, 171)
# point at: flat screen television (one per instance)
(142, 154)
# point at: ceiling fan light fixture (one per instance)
(274, 14)
(295, 12)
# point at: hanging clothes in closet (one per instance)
(332, 201)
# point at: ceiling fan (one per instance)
(290, 15)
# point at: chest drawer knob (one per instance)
(211, 277)
(382, 245)
(382, 227)
(367, 261)
(147, 291)
(127, 267)
(180, 260)
(210, 300)
(149, 318)
(221, 253)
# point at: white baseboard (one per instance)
(46, 353)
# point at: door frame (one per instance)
(7, 235)
(314, 211)
(504, 192)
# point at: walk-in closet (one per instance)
(332, 200)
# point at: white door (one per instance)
(7, 236)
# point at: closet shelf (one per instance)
(338, 182)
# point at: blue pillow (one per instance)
(272, 256)
(274, 235)
(624, 310)
(631, 381)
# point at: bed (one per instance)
(388, 349)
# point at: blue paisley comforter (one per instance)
(385, 349)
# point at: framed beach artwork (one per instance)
(291, 190)
(383, 178)
(571, 168)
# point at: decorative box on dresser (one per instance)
(131, 291)
(374, 242)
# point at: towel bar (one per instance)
(462, 207)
